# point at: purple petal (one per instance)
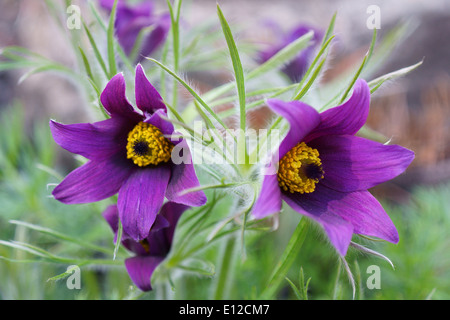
(368, 216)
(301, 117)
(269, 200)
(347, 118)
(94, 141)
(124, 12)
(158, 244)
(115, 101)
(140, 270)
(321, 209)
(107, 4)
(160, 238)
(352, 163)
(128, 29)
(160, 223)
(296, 68)
(172, 212)
(183, 178)
(94, 181)
(111, 215)
(147, 98)
(165, 126)
(130, 21)
(342, 214)
(300, 31)
(141, 198)
(128, 15)
(157, 36)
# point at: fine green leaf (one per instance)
(303, 286)
(59, 235)
(375, 84)
(295, 289)
(330, 29)
(238, 73)
(65, 274)
(360, 69)
(192, 91)
(280, 58)
(87, 66)
(288, 257)
(110, 42)
(97, 16)
(311, 68)
(48, 67)
(39, 252)
(388, 43)
(199, 266)
(311, 80)
(119, 240)
(96, 51)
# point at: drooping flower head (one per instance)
(129, 154)
(152, 250)
(324, 170)
(296, 68)
(131, 20)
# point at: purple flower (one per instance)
(296, 68)
(129, 154)
(324, 170)
(152, 250)
(130, 21)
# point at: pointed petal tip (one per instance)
(148, 98)
(114, 99)
(361, 83)
(139, 68)
(141, 268)
(393, 237)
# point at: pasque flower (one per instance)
(324, 170)
(131, 20)
(296, 68)
(153, 249)
(129, 154)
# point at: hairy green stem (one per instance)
(225, 269)
(286, 260)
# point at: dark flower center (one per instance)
(141, 148)
(313, 171)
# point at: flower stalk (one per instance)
(225, 269)
(287, 258)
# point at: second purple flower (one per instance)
(324, 170)
(152, 250)
(131, 20)
(296, 68)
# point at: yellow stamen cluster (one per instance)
(294, 169)
(147, 145)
